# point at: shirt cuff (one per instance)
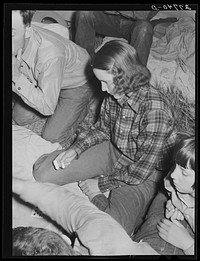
(106, 184)
(22, 83)
(77, 149)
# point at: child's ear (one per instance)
(28, 32)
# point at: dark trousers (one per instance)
(148, 231)
(138, 33)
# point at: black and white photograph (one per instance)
(103, 130)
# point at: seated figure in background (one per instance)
(134, 26)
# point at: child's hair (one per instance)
(33, 241)
(184, 151)
(120, 59)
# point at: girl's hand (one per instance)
(175, 233)
(169, 209)
(172, 212)
(64, 159)
(177, 215)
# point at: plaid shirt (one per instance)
(141, 126)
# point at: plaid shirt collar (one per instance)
(134, 98)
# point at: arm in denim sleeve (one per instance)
(97, 133)
(155, 127)
(42, 95)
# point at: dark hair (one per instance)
(33, 241)
(184, 151)
(27, 16)
(120, 59)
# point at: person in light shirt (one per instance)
(51, 78)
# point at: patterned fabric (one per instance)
(185, 203)
(140, 127)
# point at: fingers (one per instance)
(177, 215)
(162, 235)
(169, 213)
(82, 184)
(57, 162)
(64, 159)
(176, 222)
(84, 187)
(56, 165)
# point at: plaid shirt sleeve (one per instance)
(155, 128)
(97, 133)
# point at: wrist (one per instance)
(188, 243)
(190, 250)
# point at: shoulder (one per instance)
(156, 99)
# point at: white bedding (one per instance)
(27, 147)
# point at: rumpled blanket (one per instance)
(172, 58)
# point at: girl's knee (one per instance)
(41, 169)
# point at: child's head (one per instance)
(120, 60)
(183, 174)
(33, 241)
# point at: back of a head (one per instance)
(32, 241)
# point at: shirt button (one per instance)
(19, 88)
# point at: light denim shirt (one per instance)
(50, 63)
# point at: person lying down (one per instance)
(97, 232)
